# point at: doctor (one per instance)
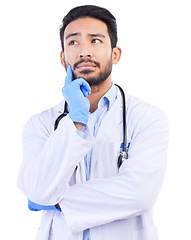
(72, 173)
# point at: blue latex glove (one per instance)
(76, 92)
(37, 207)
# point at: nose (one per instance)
(85, 52)
(85, 56)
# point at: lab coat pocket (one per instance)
(146, 234)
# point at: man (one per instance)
(72, 172)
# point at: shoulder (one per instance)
(140, 106)
(141, 114)
(44, 121)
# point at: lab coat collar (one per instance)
(60, 106)
(112, 117)
(111, 120)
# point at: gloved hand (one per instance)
(76, 92)
(37, 207)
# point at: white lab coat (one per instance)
(116, 204)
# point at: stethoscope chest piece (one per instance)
(122, 157)
(123, 154)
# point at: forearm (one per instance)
(51, 159)
(102, 201)
(131, 192)
(46, 172)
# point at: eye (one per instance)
(96, 40)
(73, 42)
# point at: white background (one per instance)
(155, 37)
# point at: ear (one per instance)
(116, 54)
(62, 58)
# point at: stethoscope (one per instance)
(124, 146)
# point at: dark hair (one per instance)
(99, 13)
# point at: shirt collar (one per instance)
(109, 97)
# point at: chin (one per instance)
(84, 74)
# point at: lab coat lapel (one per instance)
(110, 121)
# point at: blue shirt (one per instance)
(94, 123)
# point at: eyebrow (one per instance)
(97, 35)
(90, 35)
(71, 35)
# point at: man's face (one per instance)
(87, 48)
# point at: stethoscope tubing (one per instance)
(123, 150)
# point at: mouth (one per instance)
(86, 66)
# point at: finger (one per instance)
(84, 86)
(85, 93)
(69, 75)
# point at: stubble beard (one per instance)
(101, 77)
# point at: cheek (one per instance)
(67, 60)
(69, 57)
(104, 54)
(106, 60)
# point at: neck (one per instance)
(97, 92)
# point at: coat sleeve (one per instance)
(50, 158)
(134, 189)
